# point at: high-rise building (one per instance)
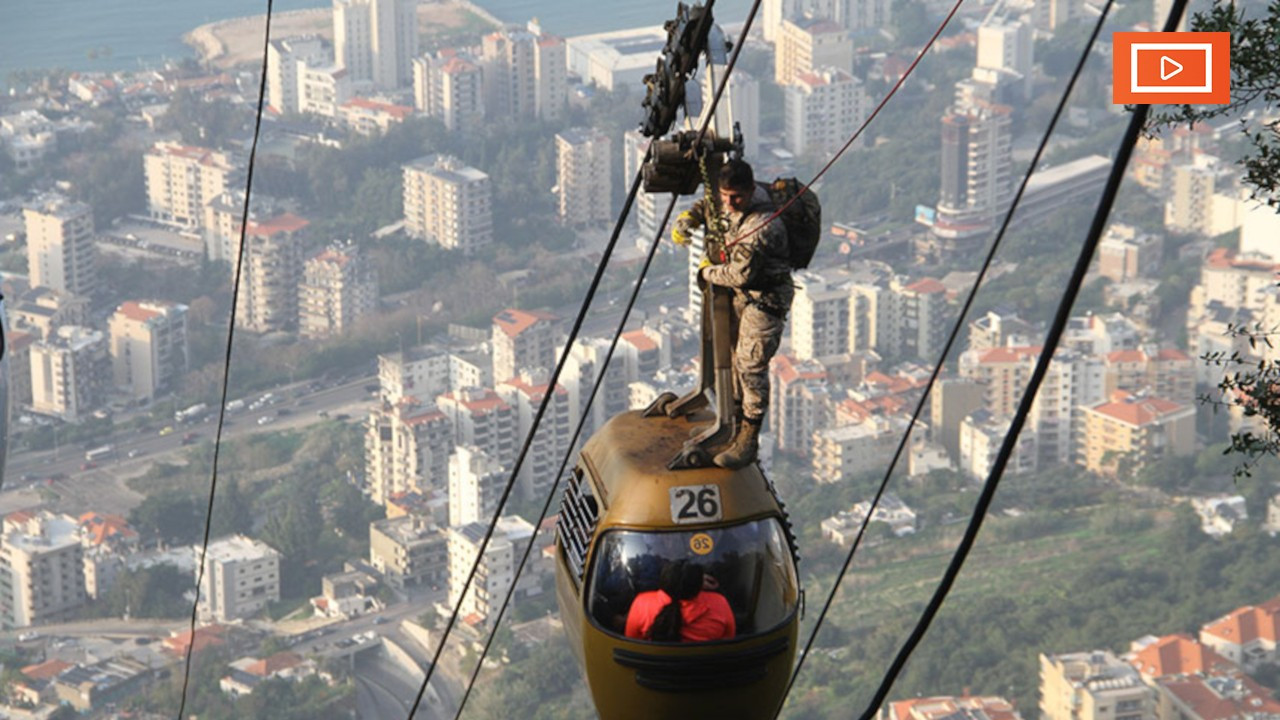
(525, 74)
(376, 40)
(41, 569)
(821, 106)
(448, 203)
(497, 568)
(1005, 48)
(584, 176)
(182, 179)
(420, 372)
(241, 577)
(283, 56)
(406, 449)
(1125, 253)
(1194, 203)
(819, 317)
(338, 286)
(522, 339)
(977, 163)
(450, 87)
(804, 45)
(798, 401)
(1093, 685)
(60, 250)
(525, 394)
(1134, 431)
(70, 373)
(475, 484)
(270, 273)
(480, 417)
(148, 346)
(323, 87)
(740, 105)
(1050, 15)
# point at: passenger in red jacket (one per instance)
(698, 615)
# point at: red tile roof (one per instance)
(1178, 655)
(1245, 698)
(204, 637)
(135, 312)
(1138, 412)
(640, 341)
(927, 286)
(286, 223)
(399, 112)
(938, 708)
(105, 527)
(1009, 354)
(1247, 624)
(788, 370)
(513, 322)
(274, 664)
(47, 670)
(1126, 356)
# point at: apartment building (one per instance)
(182, 179)
(1164, 372)
(375, 41)
(918, 319)
(806, 44)
(999, 328)
(421, 371)
(449, 87)
(1005, 49)
(1126, 254)
(476, 482)
(819, 321)
(448, 203)
(409, 551)
(990, 707)
(1134, 431)
(525, 74)
(951, 401)
(70, 373)
(525, 393)
(842, 452)
(977, 163)
(1196, 203)
(584, 176)
(60, 250)
(799, 402)
(407, 448)
(372, 118)
(241, 577)
(740, 103)
(981, 435)
(1094, 685)
(339, 286)
(283, 57)
(820, 106)
(480, 417)
(148, 346)
(496, 571)
(41, 569)
(523, 339)
(271, 270)
(323, 87)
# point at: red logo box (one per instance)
(1190, 68)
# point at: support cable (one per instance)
(1058, 326)
(226, 369)
(537, 418)
(595, 388)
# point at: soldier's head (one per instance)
(737, 185)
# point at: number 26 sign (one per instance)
(695, 503)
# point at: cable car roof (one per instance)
(628, 461)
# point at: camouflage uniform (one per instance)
(757, 267)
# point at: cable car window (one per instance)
(732, 582)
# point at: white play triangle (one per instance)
(1165, 63)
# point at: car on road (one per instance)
(380, 620)
(89, 466)
(28, 636)
(135, 452)
(166, 430)
(190, 438)
(266, 419)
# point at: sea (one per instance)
(87, 35)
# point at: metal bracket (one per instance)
(716, 377)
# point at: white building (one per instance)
(449, 87)
(475, 484)
(376, 40)
(406, 449)
(616, 59)
(1005, 47)
(60, 250)
(821, 106)
(524, 74)
(241, 577)
(448, 203)
(148, 346)
(494, 576)
(584, 176)
(283, 58)
(70, 373)
(41, 569)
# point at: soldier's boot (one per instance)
(742, 451)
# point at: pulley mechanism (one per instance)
(686, 40)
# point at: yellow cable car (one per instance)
(637, 528)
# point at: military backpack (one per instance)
(802, 218)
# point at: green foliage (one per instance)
(206, 123)
(154, 592)
(1249, 384)
(175, 516)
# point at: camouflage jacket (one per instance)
(756, 264)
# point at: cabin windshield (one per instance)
(734, 582)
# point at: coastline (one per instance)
(225, 44)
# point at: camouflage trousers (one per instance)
(758, 335)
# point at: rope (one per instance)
(226, 368)
(595, 388)
(1052, 341)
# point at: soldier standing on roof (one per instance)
(755, 263)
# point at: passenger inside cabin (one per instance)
(685, 608)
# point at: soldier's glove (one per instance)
(702, 266)
(683, 225)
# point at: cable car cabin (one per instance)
(629, 531)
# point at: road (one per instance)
(103, 488)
